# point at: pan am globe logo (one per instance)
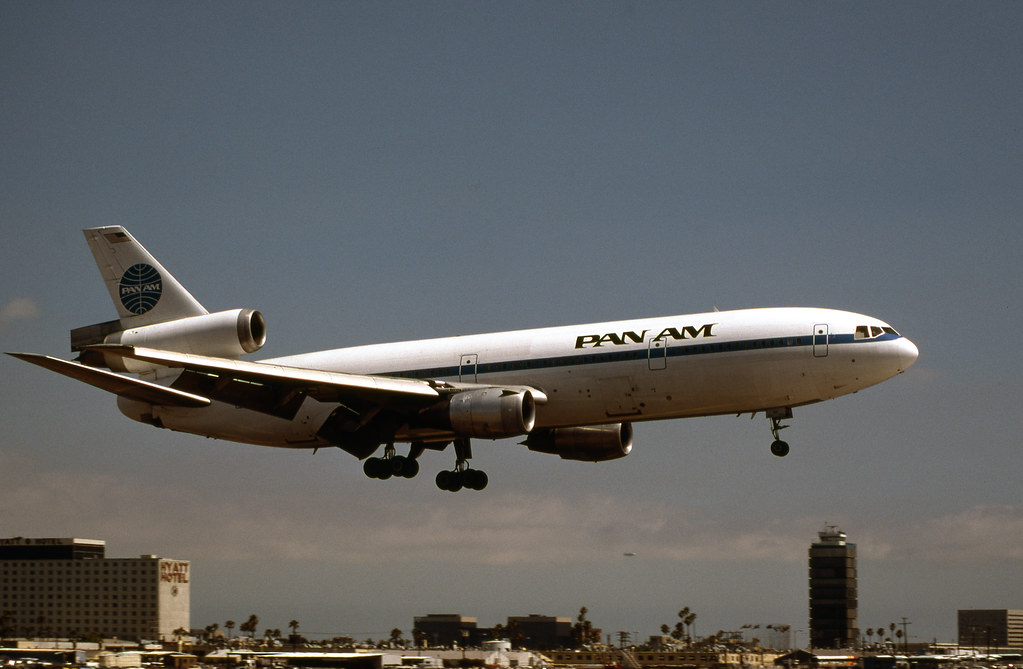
(141, 286)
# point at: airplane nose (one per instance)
(908, 353)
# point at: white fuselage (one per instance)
(624, 371)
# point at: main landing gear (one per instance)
(454, 480)
(461, 476)
(776, 416)
(392, 464)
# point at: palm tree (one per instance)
(230, 626)
(250, 625)
(689, 624)
(869, 633)
(680, 626)
(581, 631)
(293, 624)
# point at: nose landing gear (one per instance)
(776, 416)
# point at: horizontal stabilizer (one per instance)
(123, 386)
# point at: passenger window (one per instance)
(862, 332)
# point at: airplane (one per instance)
(572, 391)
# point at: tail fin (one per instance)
(143, 292)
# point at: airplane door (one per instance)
(467, 367)
(657, 354)
(820, 340)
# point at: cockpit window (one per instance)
(871, 331)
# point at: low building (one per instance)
(540, 632)
(991, 628)
(447, 629)
(702, 659)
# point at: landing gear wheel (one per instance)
(391, 465)
(462, 476)
(377, 468)
(475, 479)
(776, 416)
(449, 481)
(409, 468)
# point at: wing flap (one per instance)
(122, 386)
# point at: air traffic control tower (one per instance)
(833, 602)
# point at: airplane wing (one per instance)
(370, 408)
(267, 387)
(115, 383)
(279, 390)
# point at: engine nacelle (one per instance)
(225, 334)
(592, 443)
(492, 413)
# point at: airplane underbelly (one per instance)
(223, 421)
(727, 383)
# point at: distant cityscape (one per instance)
(63, 600)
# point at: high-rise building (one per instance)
(67, 587)
(833, 602)
(991, 628)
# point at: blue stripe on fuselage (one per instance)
(632, 353)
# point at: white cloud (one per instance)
(18, 309)
(205, 522)
(978, 534)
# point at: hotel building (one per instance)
(68, 587)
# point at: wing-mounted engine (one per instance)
(492, 413)
(225, 334)
(593, 443)
(485, 413)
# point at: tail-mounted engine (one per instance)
(593, 443)
(225, 334)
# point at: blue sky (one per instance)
(366, 172)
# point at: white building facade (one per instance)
(67, 587)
